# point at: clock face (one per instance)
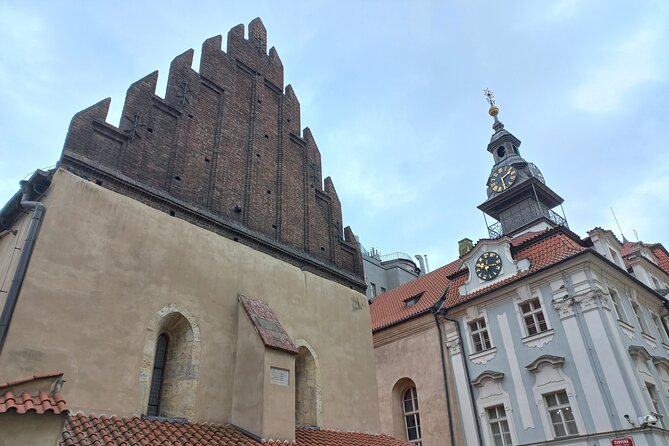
(534, 170)
(502, 178)
(488, 265)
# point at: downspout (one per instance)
(467, 377)
(22, 266)
(443, 369)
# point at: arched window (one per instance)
(158, 375)
(411, 417)
(306, 389)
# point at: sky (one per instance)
(393, 93)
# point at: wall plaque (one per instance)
(278, 376)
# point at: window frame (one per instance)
(641, 320)
(505, 436)
(560, 410)
(414, 414)
(533, 314)
(479, 332)
(617, 304)
(158, 375)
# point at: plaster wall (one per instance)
(30, 429)
(411, 350)
(104, 265)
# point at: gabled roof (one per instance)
(655, 248)
(389, 307)
(544, 250)
(91, 430)
(39, 394)
(541, 248)
(271, 332)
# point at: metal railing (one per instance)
(496, 230)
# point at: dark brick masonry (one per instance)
(223, 150)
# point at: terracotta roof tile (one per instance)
(267, 325)
(91, 430)
(540, 252)
(390, 307)
(25, 395)
(325, 437)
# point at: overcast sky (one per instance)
(392, 92)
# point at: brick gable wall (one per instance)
(223, 150)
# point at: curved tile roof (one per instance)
(91, 430)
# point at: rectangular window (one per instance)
(499, 427)
(560, 414)
(639, 317)
(533, 315)
(373, 286)
(615, 257)
(383, 290)
(661, 330)
(656, 283)
(617, 305)
(652, 393)
(480, 336)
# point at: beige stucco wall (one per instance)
(104, 265)
(411, 350)
(30, 429)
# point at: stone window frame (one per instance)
(483, 356)
(550, 378)
(490, 395)
(319, 383)
(153, 331)
(537, 340)
(640, 358)
(621, 316)
(663, 334)
(560, 406)
(397, 406)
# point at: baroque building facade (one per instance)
(192, 264)
(534, 335)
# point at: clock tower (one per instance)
(518, 197)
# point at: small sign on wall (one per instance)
(279, 377)
(627, 441)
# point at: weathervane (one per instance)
(494, 110)
(489, 96)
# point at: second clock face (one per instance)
(502, 178)
(488, 265)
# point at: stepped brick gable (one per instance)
(223, 150)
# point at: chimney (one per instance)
(464, 246)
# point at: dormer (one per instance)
(488, 263)
(606, 244)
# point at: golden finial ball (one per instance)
(493, 111)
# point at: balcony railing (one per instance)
(522, 218)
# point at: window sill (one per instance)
(649, 339)
(538, 340)
(626, 328)
(484, 356)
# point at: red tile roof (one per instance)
(39, 394)
(267, 325)
(656, 248)
(91, 430)
(389, 307)
(325, 437)
(541, 248)
(541, 252)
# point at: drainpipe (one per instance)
(443, 369)
(442, 313)
(22, 266)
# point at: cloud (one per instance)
(644, 206)
(632, 64)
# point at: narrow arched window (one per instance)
(411, 417)
(158, 375)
